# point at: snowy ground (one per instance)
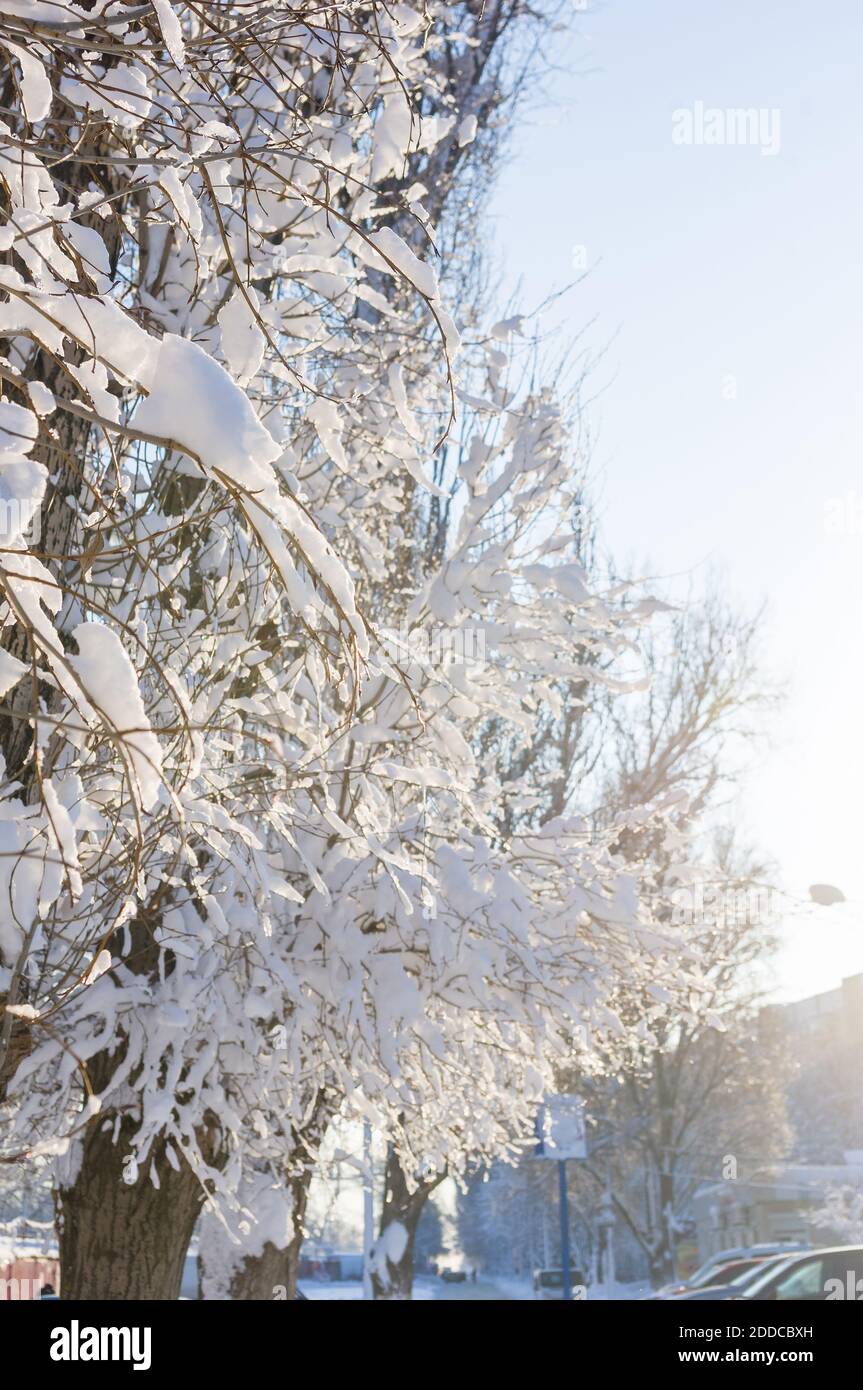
(351, 1290)
(426, 1289)
(521, 1290)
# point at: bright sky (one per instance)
(711, 263)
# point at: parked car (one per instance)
(833, 1273)
(748, 1272)
(704, 1275)
(548, 1283)
(453, 1276)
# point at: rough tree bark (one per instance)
(273, 1273)
(120, 1240)
(61, 446)
(393, 1255)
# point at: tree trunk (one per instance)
(662, 1263)
(393, 1255)
(121, 1240)
(272, 1274)
(61, 446)
(269, 1275)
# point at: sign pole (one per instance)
(368, 1210)
(564, 1229)
(561, 1135)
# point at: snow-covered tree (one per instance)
(840, 1217)
(253, 871)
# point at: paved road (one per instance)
(452, 1292)
(426, 1290)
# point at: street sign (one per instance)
(561, 1135)
(560, 1128)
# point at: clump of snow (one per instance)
(18, 429)
(111, 688)
(43, 399)
(263, 1216)
(399, 255)
(194, 402)
(467, 131)
(388, 1250)
(122, 93)
(242, 340)
(172, 33)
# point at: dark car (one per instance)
(832, 1274)
(453, 1276)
